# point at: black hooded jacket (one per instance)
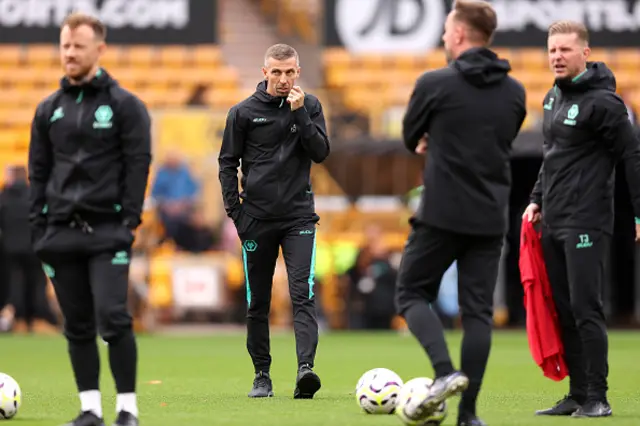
(89, 154)
(276, 146)
(586, 133)
(472, 111)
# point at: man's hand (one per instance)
(296, 98)
(532, 213)
(422, 145)
(637, 232)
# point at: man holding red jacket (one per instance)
(586, 133)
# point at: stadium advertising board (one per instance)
(416, 26)
(158, 22)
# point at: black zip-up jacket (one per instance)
(472, 111)
(587, 132)
(89, 155)
(276, 146)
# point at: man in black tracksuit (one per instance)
(276, 134)
(586, 133)
(89, 160)
(472, 111)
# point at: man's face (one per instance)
(79, 51)
(281, 75)
(453, 33)
(567, 55)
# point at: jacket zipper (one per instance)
(76, 192)
(279, 165)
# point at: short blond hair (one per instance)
(570, 27)
(78, 19)
(479, 16)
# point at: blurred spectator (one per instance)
(195, 235)
(175, 192)
(346, 124)
(198, 96)
(370, 285)
(27, 280)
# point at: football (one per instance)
(10, 397)
(409, 404)
(377, 390)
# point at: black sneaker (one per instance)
(262, 386)
(594, 409)
(444, 388)
(565, 407)
(126, 419)
(470, 420)
(307, 383)
(86, 418)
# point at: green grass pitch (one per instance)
(203, 380)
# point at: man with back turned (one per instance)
(586, 133)
(471, 112)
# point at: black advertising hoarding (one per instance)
(416, 26)
(158, 22)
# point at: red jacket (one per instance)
(543, 328)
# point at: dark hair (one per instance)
(281, 52)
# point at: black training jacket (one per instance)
(472, 111)
(276, 147)
(89, 154)
(586, 133)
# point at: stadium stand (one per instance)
(293, 17)
(372, 84)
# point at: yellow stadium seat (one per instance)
(162, 77)
(11, 55)
(28, 76)
(531, 58)
(42, 55)
(534, 79)
(406, 77)
(207, 56)
(140, 56)
(174, 56)
(403, 62)
(535, 98)
(362, 99)
(626, 79)
(634, 98)
(626, 58)
(372, 62)
(369, 78)
(224, 77)
(112, 57)
(336, 57)
(504, 53)
(338, 77)
(131, 77)
(436, 59)
(162, 98)
(223, 98)
(18, 118)
(603, 55)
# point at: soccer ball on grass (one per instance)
(410, 400)
(377, 390)
(10, 397)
